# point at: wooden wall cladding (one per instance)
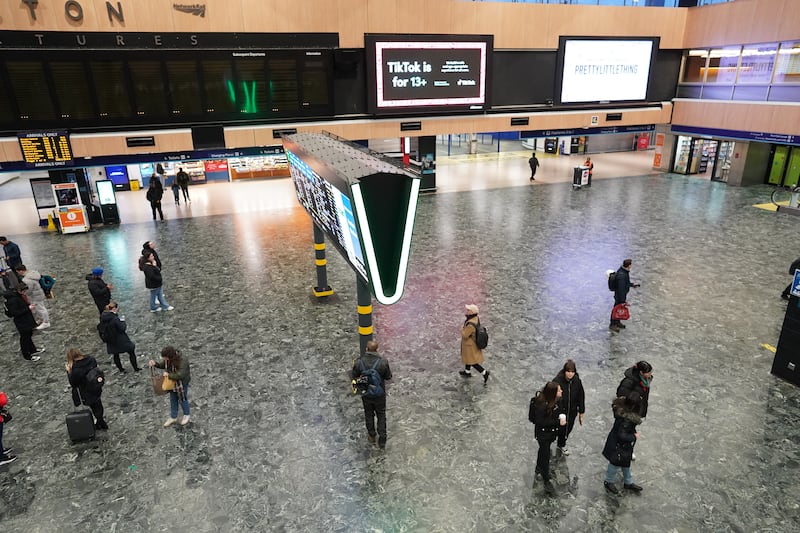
(86, 145)
(771, 117)
(742, 22)
(521, 26)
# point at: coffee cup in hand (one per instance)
(562, 419)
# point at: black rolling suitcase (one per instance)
(80, 425)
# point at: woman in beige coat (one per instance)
(471, 355)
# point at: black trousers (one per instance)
(97, 411)
(543, 456)
(185, 193)
(786, 290)
(26, 343)
(375, 408)
(564, 431)
(156, 206)
(131, 356)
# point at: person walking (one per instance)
(99, 289)
(623, 284)
(176, 191)
(19, 308)
(11, 253)
(87, 386)
(182, 178)
(112, 328)
(176, 368)
(545, 413)
(154, 282)
(572, 402)
(620, 443)
(154, 194)
(533, 162)
(35, 295)
(471, 355)
(6, 456)
(374, 406)
(794, 266)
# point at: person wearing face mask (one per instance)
(572, 402)
(545, 413)
(471, 354)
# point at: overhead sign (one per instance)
(45, 149)
(760, 136)
(529, 134)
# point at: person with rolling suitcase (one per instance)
(87, 382)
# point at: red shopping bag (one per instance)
(620, 312)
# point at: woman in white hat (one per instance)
(471, 355)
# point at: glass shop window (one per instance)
(694, 66)
(757, 63)
(722, 63)
(787, 67)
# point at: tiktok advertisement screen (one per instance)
(419, 73)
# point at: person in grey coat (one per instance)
(35, 295)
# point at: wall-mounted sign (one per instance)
(198, 10)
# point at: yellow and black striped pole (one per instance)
(364, 313)
(322, 289)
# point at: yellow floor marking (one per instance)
(769, 347)
(769, 206)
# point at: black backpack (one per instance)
(612, 281)
(370, 383)
(95, 379)
(104, 331)
(481, 336)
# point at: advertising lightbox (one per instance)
(599, 70)
(424, 73)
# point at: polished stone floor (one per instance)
(277, 441)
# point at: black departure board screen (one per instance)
(413, 73)
(45, 149)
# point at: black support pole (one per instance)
(364, 314)
(322, 289)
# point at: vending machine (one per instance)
(71, 213)
(108, 201)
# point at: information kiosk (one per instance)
(70, 211)
(108, 201)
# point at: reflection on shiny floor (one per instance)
(277, 439)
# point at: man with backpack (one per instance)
(369, 373)
(621, 283)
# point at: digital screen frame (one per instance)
(330, 205)
(45, 148)
(424, 73)
(592, 70)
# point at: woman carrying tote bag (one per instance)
(176, 368)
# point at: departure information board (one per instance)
(45, 149)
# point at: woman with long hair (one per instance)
(85, 389)
(572, 402)
(154, 282)
(176, 367)
(547, 418)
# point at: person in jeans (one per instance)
(620, 442)
(19, 307)
(176, 367)
(572, 402)
(374, 407)
(154, 282)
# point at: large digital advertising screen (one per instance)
(419, 73)
(605, 70)
(331, 210)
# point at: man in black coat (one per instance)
(533, 162)
(99, 289)
(623, 285)
(636, 385)
(19, 307)
(794, 266)
(374, 407)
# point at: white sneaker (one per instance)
(170, 308)
(185, 420)
(156, 310)
(169, 422)
(40, 350)
(34, 358)
(564, 450)
(43, 325)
